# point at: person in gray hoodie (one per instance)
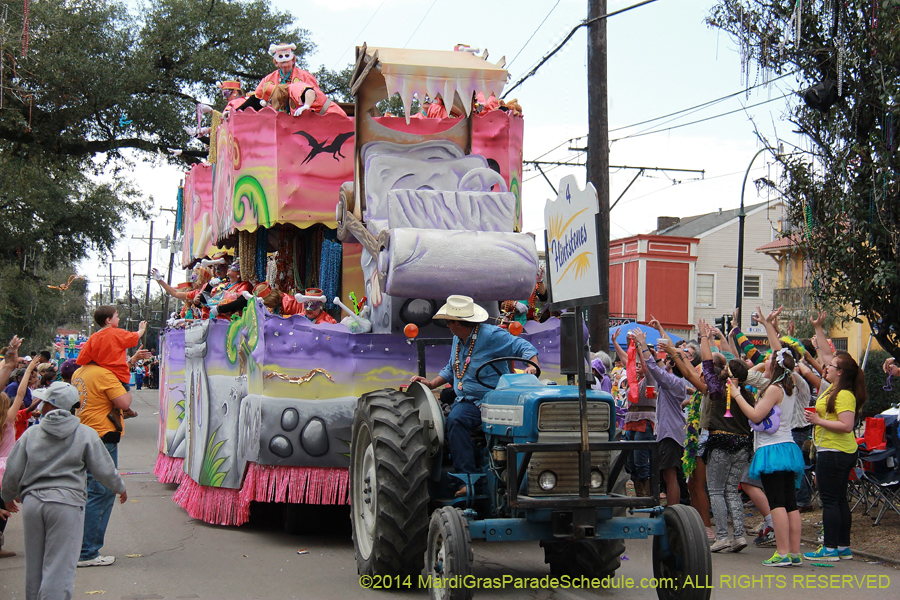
(47, 471)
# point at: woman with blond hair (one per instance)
(189, 292)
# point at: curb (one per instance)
(869, 555)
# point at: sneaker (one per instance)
(765, 538)
(720, 545)
(738, 544)
(845, 554)
(710, 535)
(100, 561)
(796, 561)
(778, 560)
(823, 553)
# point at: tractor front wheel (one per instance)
(686, 565)
(449, 555)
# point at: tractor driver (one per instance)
(474, 343)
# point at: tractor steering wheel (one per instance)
(492, 363)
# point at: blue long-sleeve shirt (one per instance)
(492, 342)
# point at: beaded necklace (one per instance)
(459, 374)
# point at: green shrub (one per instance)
(878, 400)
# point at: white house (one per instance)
(714, 289)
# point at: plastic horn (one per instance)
(349, 312)
(728, 399)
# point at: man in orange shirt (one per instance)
(106, 348)
(102, 400)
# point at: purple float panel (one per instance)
(171, 392)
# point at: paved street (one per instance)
(181, 558)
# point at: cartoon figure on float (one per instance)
(302, 87)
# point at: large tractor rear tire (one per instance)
(388, 485)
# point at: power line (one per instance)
(359, 34)
(420, 24)
(731, 112)
(703, 105)
(583, 23)
(678, 112)
(533, 34)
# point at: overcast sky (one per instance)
(663, 58)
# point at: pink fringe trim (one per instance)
(264, 483)
(168, 469)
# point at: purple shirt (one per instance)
(671, 391)
(13, 389)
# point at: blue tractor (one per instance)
(532, 484)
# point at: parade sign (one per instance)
(570, 223)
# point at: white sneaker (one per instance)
(720, 545)
(738, 544)
(100, 561)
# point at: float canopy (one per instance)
(455, 76)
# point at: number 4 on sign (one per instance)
(568, 195)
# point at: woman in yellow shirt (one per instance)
(837, 408)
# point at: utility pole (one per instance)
(149, 267)
(130, 297)
(165, 313)
(598, 161)
(149, 240)
(130, 291)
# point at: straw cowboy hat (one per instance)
(461, 308)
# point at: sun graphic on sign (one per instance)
(558, 228)
(582, 263)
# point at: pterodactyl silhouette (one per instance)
(316, 148)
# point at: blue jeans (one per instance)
(97, 511)
(638, 463)
(463, 418)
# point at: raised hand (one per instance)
(819, 322)
(773, 316)
(639, 336)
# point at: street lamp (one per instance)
(741, 217)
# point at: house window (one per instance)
(706, 289)
(752, 286)
(839, 343)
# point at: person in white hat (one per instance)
(304, 88)
(47, 469)
(474, 343)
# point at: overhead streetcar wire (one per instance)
(559, 46)
(533, 34)
(425, 16)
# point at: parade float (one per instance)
(391, 214)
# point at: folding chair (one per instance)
(881, 478)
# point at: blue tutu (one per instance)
(778, 457)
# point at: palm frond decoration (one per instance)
(210, 474)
